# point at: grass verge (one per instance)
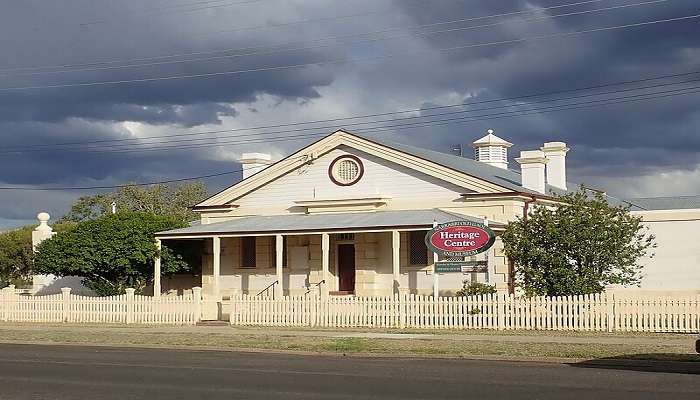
(225, 338)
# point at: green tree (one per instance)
(160, 199)
(577, 247)
(112, 252)
(16, 255)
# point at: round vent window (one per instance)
(346, 170)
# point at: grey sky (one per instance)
(637, 148)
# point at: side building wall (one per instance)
(675, 267)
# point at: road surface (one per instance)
(76, 372)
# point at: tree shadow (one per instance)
(653, 362)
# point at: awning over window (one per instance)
(337, 222)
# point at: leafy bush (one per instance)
(470, 288)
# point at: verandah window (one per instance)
(248, 256)
(417, 250)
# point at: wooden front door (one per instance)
(346, 267)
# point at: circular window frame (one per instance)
(356, 160)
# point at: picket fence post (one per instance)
(130, 305)
(610, 309)
(66, 304)
(4, 309)
(197, 299)
(500, 302)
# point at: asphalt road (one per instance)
(69, 372)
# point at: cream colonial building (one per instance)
(348, 215)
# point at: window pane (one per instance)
(248, 252)
(418, 251)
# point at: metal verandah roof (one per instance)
(321, 222)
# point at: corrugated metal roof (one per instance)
(666, 202)
(503, 177)
(316, 222)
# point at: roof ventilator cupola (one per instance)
(492, 150)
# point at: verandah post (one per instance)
(130, 305)
(65, 292)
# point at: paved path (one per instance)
(72, 372)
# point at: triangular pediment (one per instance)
(401, 167)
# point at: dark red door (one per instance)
(346, 267)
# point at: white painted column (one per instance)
(279, 263)
(217, 268)
(157, 271)
(325, 263)
(396, 259)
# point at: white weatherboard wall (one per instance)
(381, 177)
(676, 264)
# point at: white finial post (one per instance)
(114, 207)
(39, 234)
(43, 231)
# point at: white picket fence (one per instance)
(128, 308)
(599, 312)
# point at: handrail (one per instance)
(315, 285)
(267, 288)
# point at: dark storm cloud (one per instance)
(80, 32)
(617, 140)
(625, 139)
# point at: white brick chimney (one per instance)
(532, 168)
(555, 152)
(254, 162)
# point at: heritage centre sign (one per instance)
(460, 239)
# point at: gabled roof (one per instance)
(666, 202)
(489, 178)
(503, 177)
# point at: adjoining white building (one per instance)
(675, 266)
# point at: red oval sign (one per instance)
(461, 238)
